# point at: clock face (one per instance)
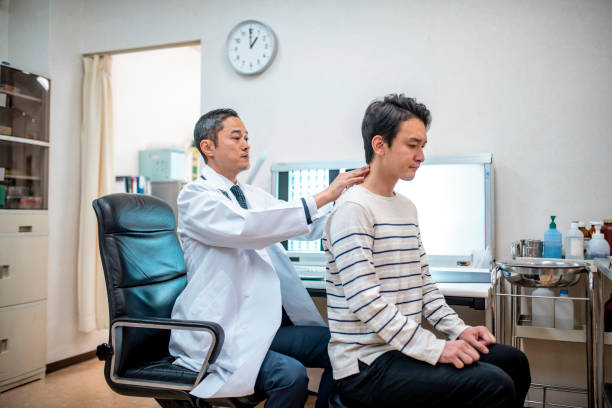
(251, 47)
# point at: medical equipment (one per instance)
(454, 197)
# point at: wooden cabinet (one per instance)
(24, 180)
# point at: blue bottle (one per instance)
(552, 240)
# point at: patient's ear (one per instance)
(208, 148)
(378, 145)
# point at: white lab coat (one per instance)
(237, 276)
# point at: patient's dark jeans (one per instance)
(499, 379)
(282, 375)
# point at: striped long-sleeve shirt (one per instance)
(378, 284)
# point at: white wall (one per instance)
(28, 35)
(526, 81)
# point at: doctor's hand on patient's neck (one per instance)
(340, 183)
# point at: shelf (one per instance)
(546, 333)
(24, 140)
(18, 177)
(20, 95)
(12, 211)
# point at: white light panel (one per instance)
(303, 183)
(450, 201)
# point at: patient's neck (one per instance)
(379, 181)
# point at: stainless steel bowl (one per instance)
(541, 273)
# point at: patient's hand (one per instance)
(459, 353)
(478, 337)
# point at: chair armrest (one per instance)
(215, 330)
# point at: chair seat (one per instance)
(162, 370)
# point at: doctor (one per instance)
(240, 277)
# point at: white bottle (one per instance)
(542, 310)
(564, 312)
(581, 224)
(598, 246)
(574, 243)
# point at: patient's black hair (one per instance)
(383, 117)
(209, 125)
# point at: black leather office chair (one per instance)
(145, 272)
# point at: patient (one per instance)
(379, 288)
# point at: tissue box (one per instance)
(162, 165)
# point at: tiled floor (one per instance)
(80, 385)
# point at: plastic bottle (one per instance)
(552, 240)
(574, 243)
(542, 310)
(607, 231)
(598, 247)
(608, 315)
(586, 234)
(564, 312)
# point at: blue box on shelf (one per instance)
(162, 165)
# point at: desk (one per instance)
(474, 295)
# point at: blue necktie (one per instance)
(237, 191)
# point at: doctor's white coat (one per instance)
(238, 276)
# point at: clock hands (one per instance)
(251, 43)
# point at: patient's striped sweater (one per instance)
(378, 283)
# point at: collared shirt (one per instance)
(308, 202)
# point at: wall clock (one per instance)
(251, 47)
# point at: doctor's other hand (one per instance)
(478, 337)
(340, 183)
(458, 353)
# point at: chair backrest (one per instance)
(143, 266)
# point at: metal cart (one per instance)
(592, 333)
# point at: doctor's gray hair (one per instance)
(209, 125)
(383, 117)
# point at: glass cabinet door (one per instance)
(24, 104)
(24, 139)
(24, 183)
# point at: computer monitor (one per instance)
(453, 196)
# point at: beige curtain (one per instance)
(97, 179)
